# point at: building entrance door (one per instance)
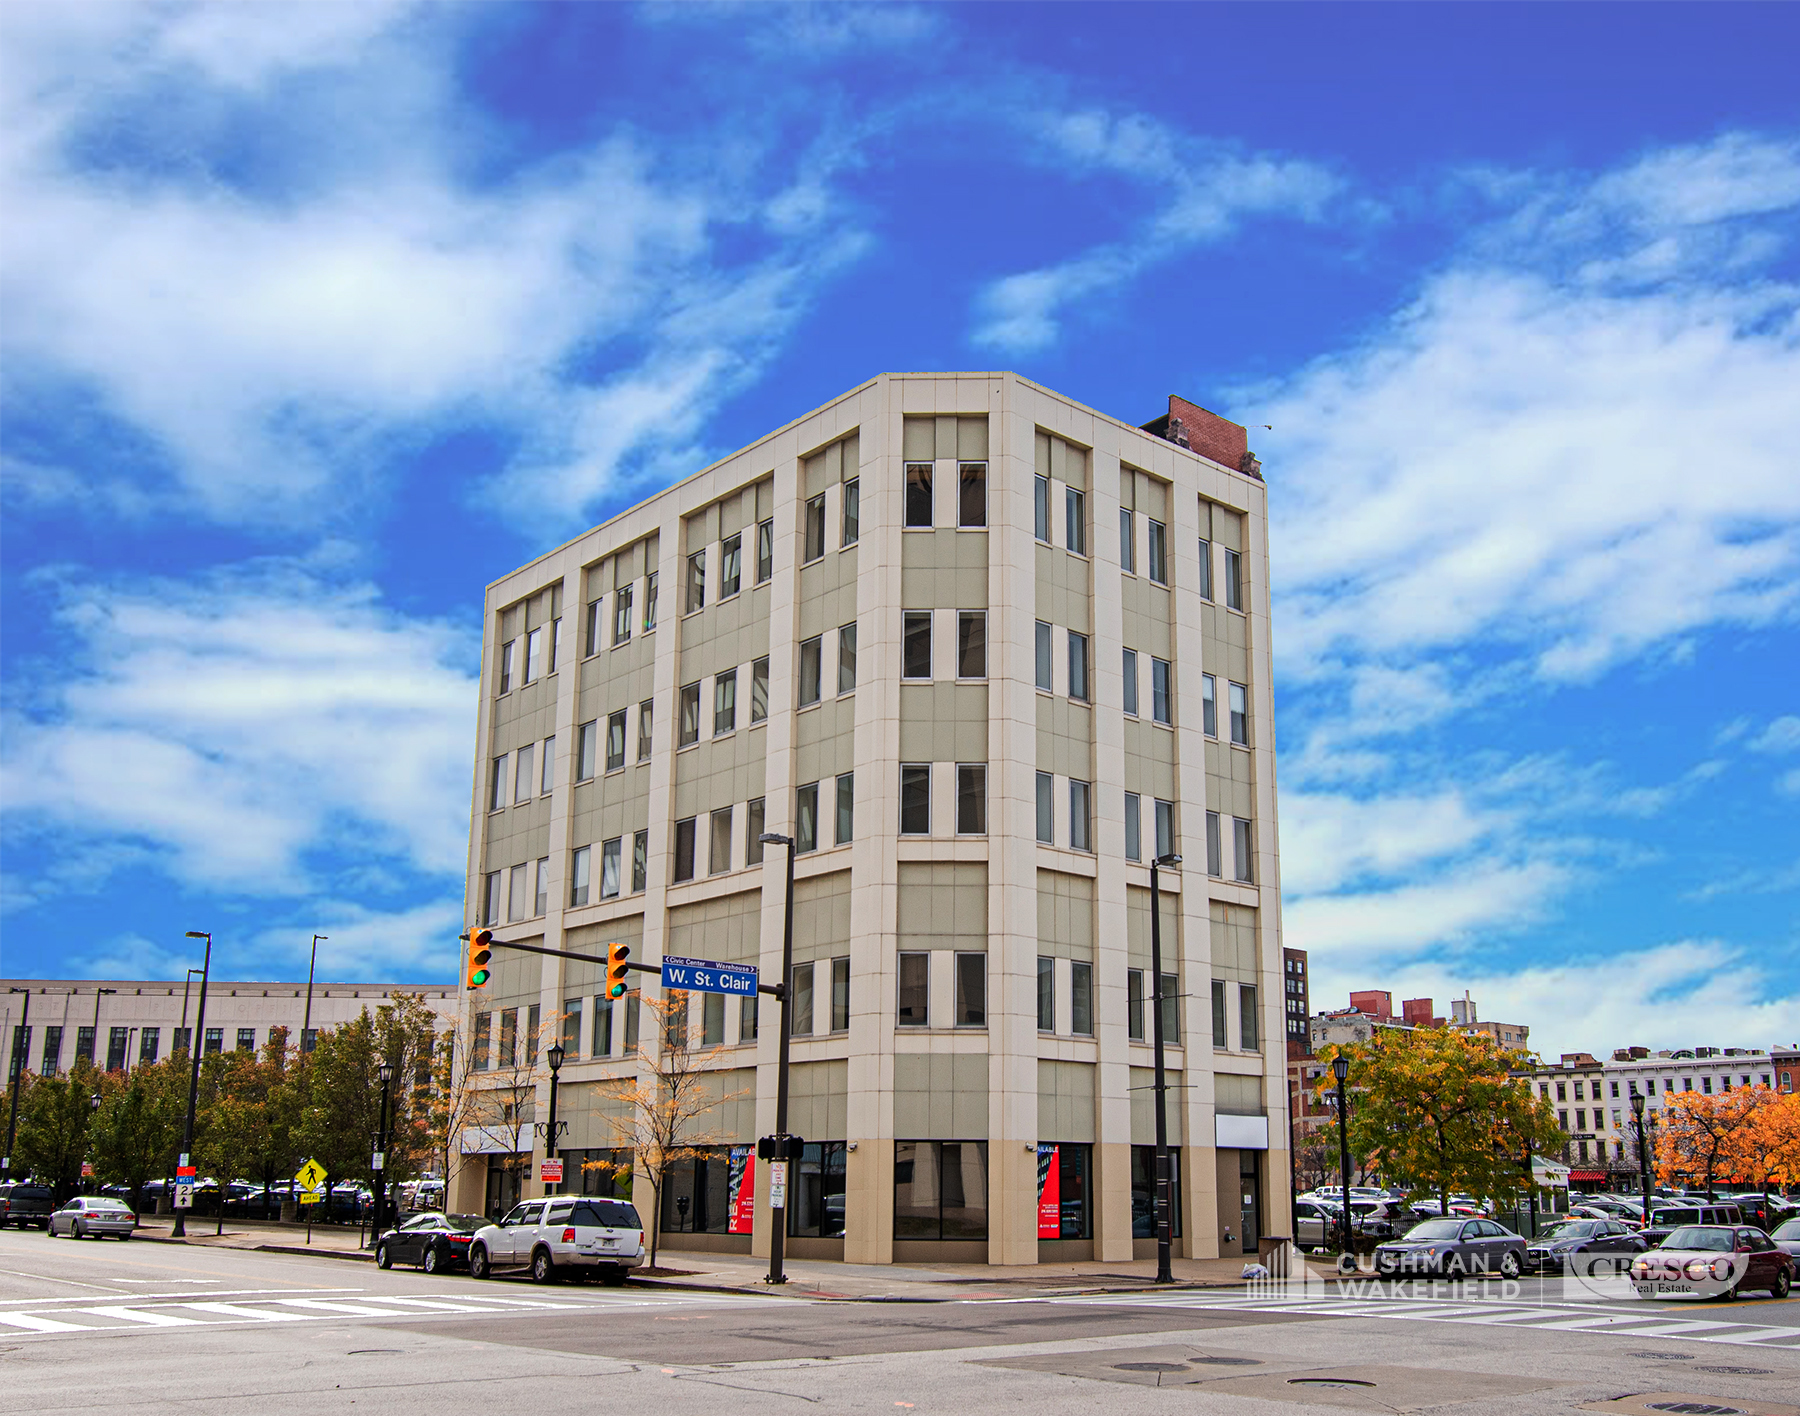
(505, 1176)
(1250, 1187)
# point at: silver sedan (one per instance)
(95, 1215)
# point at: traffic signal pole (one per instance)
(196, 1044)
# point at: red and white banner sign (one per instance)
(1049, 1193)
(742, 1190)
(184, 1172)
(550, 1172)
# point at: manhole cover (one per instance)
(1226, 1361)
(1739, 1371)
(1694, 1408)
(1664, 1356)
(1148, 1367)
(1328, 1382)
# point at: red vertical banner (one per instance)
(742, 1187)
(1049, 1193)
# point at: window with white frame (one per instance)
(915, 644)
(696, 583)
(1243, 856)
(1046, 808)
(522, 774)
(971, 799)
(1209, 705)
(611, 853)
(846, 658)
(1127, 546)
(1159, 552)
(971, 644)
(1129, 664)
(1043, 657)
(1134, 827)
(915, 799)
(725, 703)
(615, 741)
(1081, 828)
(1240, 713)
(731, 566)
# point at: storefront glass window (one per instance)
(816, 1192)
(1063, 1173)
(1143, 1192)
(940, 1190)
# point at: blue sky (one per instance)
(319, 318)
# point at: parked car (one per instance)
(433, 1240)
(577, 1234)
(1766, 1212)
(94, 1215)
(1452, 1247)
(1666, 1219)
(1787, 1237)
(1374, 1218)
(24, 1202)
(1714, 1261)
(1318, 1224)
(1588, 1246)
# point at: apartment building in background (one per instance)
(984, 653)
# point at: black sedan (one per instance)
(1585, 1246)
(432, 1240)
(1453, 1247)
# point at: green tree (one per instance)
(1440, 1110)
(136, 1133)
(54, 1118)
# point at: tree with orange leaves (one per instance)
(1702, 1137)
(1765, 1151)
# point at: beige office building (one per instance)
(984, 652)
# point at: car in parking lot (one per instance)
(1713, 1261)
(22, 1202)
(1318, 1224)
(435, 1241)
(563, 1235)
(93, 1215)
(1452, 1247)
(1787, 1237)
(1585, 1246)
(1666, 1219)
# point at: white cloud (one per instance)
(1330, 840)
(1782, 735)
(370, 946)
(238, 724)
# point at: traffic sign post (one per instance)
(184, 1185)
(550, 1172)
(778, 1184)
(705, 976)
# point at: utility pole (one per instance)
(778, 1217)
(1164, 1271)
(187, 1130)
(1340, 1068)
(306, 1024)
(95, 1059)
(21, 1040)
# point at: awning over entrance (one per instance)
(1587, 1174)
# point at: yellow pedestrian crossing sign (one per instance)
(311, 1176)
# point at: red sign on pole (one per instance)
(550, 1172)
(1049, 1193)
(184, 1172)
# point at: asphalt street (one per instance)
(138, 1327)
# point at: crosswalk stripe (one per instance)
(436, 1305)
(150, 1317)
(327, 1305)
(31, 1322)
(233, 1310)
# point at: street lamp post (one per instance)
(99, 993)
(93, 1110)
(187, 1129)
(386, 1072)
(14, 1074)
(1164, 1273)
(554, 1055)
(778, 1218)
(306, 1022)
(1340, 1068)
(1643, 1138)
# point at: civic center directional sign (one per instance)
(704, 976)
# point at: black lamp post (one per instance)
(1164, 1273)
(386, 1073)
(311, 968)
(179, 1231)
(1340, 1068)
(778, 1217)
(1643, 1138)
(554, 1055)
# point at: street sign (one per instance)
(378, 1161)
(705, 976)
(184, 1195)
(310, 1176)
(311, 1197)
(550, 1172)
(184, 1172)
(778, 1184)
(87, 1169)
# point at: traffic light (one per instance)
(479, 953)
(616, 969)
(780, 1148)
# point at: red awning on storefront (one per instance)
(1587, 1174)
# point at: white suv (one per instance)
(578, 1235)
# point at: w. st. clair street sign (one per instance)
(705, 976)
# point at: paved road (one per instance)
(143, 1328)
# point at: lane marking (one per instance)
(151, 1318)
(327, 1305)
(50, 1278)
(231, 1310)
(31, 1322)
(151, 1297)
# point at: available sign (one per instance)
(705, 976)
(740, 1187)
(550, 1171)
(1049, 1193)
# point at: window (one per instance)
(534, 654)
(684, 850)
(640, 860)
(765, 551)
(590, 629)
(918, 494)
(555, 644)
(747, 1019)
(806, 818)
(622, 616)
(940, 1190)
(1206, 570)
(1046, 811)
(541, 895)
(1248, 1031)
(840, 994)
(759, 690)
(1209, 705)
(718, 859)
(852, 512)
(1129, 665)
(1241, 850)
(915, 799)
(547, 782)
(1078, 666)
(632, 1012)
(915, 644)
(1066, 1167)
(971, 799)
(971, 504)
(490, 896)
(731, 566)
(800, 989)
(522, 777)
(507, 652)
(846, 809)
(1161, 701)
(650, 601)
(148, 1047)
(1081, 998)
(571, 1026)
(646, 721)
(1043, 658)
(696, 583)
(1046, 994)
(478, 1051)
(755, 823)
(846, 658)
(579, 865)
(812, 653)
(1239, 702)
(615, 741)
(1040, 505)
(690, 715)
(1134, 1004)
(725, 703)
(1075, 521)
(609, 872)
(971, 990)
(1159, 552)
(1234, 580)
(516, 901)
(1165, 828)
(497, 782)
(1134, 827)
(1219, 1038)
(84, 1050)
(1080, 828)
(1127, 546)
(675, 1022)
(1171, 1010)
(915, 990)
(712, 1019)
(971, 644)
(815, 528)
(214, 1045)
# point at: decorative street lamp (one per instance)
(778, 1217)
(179, 1231)
(386, 1073)
(1340, 1068)
(1643, 1138)
(1164, 1274)
(554, 1055)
